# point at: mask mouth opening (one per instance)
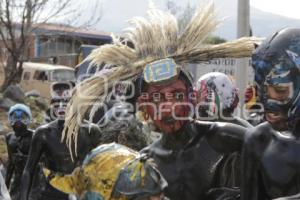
(61, 112)
(278, 120)
(18, 125)
(276, 115)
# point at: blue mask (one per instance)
(19, 113)
(276, 63)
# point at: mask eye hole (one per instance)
(281, 89)
(24, 118)
(279, 92)
(14, 115)
(179, 96)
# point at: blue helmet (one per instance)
(19, 112)
(276, 62)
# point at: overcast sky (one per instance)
(289, 8)
(116, 12)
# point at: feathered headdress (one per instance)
(154, 38)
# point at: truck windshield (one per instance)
(63, 75)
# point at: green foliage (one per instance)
(3, 149)
(37, 114)
(214, 40)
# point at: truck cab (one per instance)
(39, 77)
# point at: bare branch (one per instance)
(59, 10)
(94, 18)
(24, 15)
(20, 18)
(9, 24)
(6, 45)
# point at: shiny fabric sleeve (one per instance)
(31, 164)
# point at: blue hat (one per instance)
(19, 109)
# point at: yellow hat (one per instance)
(111, 171)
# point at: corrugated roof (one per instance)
(50, 29)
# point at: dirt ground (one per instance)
(3, 149)
(4, 129)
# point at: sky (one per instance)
(125, 9)
(118, 11)
(115, 13)
(289, 8)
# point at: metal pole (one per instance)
(243, 21)
(243, 30)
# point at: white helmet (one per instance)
(217, 91)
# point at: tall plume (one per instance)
(153, 38)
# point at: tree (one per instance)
(19, 19)
(184, 15)
(172, 7)
(214, 40)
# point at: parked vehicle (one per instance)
(40, 76)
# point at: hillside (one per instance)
(116, 13)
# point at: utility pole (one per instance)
(243, 19)
(243, 30)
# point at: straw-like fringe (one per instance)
(90, 92)
(108, 54)
(95, 86)
(203, 23)
(82, 96)
(242, 47)
(168, 28)
(153, 39)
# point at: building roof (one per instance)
(58, 29)
(44, 66)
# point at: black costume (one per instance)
(18, 145)
(47, 141)
(270, 159)
(270, 163)
(190, 160)
(163, 92)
